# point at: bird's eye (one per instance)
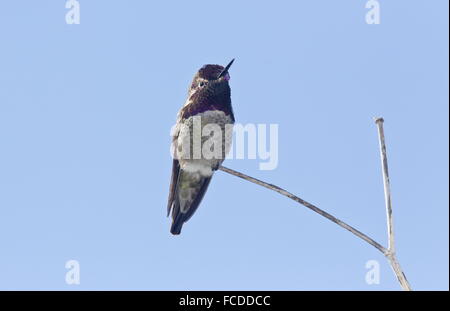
(201, 83)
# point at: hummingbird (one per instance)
(209, 102)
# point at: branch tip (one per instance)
(378, 120)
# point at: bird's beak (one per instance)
(225, 70)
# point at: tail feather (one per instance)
(177, 224)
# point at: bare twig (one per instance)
(308, 205)
(392, 257)
(387, 187)
(385, 251)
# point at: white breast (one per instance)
(185, 134)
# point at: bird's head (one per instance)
(211, 79)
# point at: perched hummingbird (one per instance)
(209, 101)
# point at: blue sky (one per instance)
(85, 116)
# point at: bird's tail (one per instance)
(177, 224)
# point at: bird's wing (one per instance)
(175, 167)
(173, 185)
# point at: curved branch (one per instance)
(389, 252)
(312, 207)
